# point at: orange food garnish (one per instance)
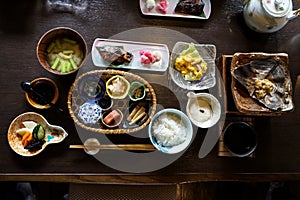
(27, 137)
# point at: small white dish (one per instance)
(53, 134)
(203, 109)
(188, 128)
(171, 8)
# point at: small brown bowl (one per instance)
(45, 86)
(43, 47)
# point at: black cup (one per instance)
(240, 138)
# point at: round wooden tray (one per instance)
(75, 100)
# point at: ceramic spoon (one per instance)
(26, 86)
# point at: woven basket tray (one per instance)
(75, 100)
(248, 105)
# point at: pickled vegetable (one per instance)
(111, 117)
(35, 145)
(38, 132)
(64, 55)
(191, 65)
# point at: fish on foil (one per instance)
(115, 55)
(266, 80)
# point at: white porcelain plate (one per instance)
(134, 48)
(170, 11)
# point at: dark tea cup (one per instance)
(45, 87)
(240, 139)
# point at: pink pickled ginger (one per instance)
(147, 57)
(162, 6)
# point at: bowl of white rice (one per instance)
(170, 131)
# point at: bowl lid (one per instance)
(277, 8)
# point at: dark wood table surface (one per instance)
(22, 23)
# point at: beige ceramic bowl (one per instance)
(203, 109)
(58, 33)
(53, 134)
(49, 83)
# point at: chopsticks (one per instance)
(137, 147)
(297, 12)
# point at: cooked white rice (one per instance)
(169, 130)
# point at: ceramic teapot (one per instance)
(267, 16)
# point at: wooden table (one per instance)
(22, 23)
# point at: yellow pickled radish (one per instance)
(22, 131)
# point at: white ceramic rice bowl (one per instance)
(177, 148)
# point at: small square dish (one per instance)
(207, 53)
(261, 83)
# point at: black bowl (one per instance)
(240, 139)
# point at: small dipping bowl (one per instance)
(118, 118)
(105, 103)
(89, 143)
(117, 95)
(47, 88)
(240, 139)
(135, 116)
(137, 91)
(89, 112)
(91, 88)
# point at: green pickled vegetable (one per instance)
(64, 55)
(51, 47)
(68, 51)
(66, 67)
(63, 68)
(74, 66)
(38, 132)
(56, 62)
(57, 43)
(69, 41)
